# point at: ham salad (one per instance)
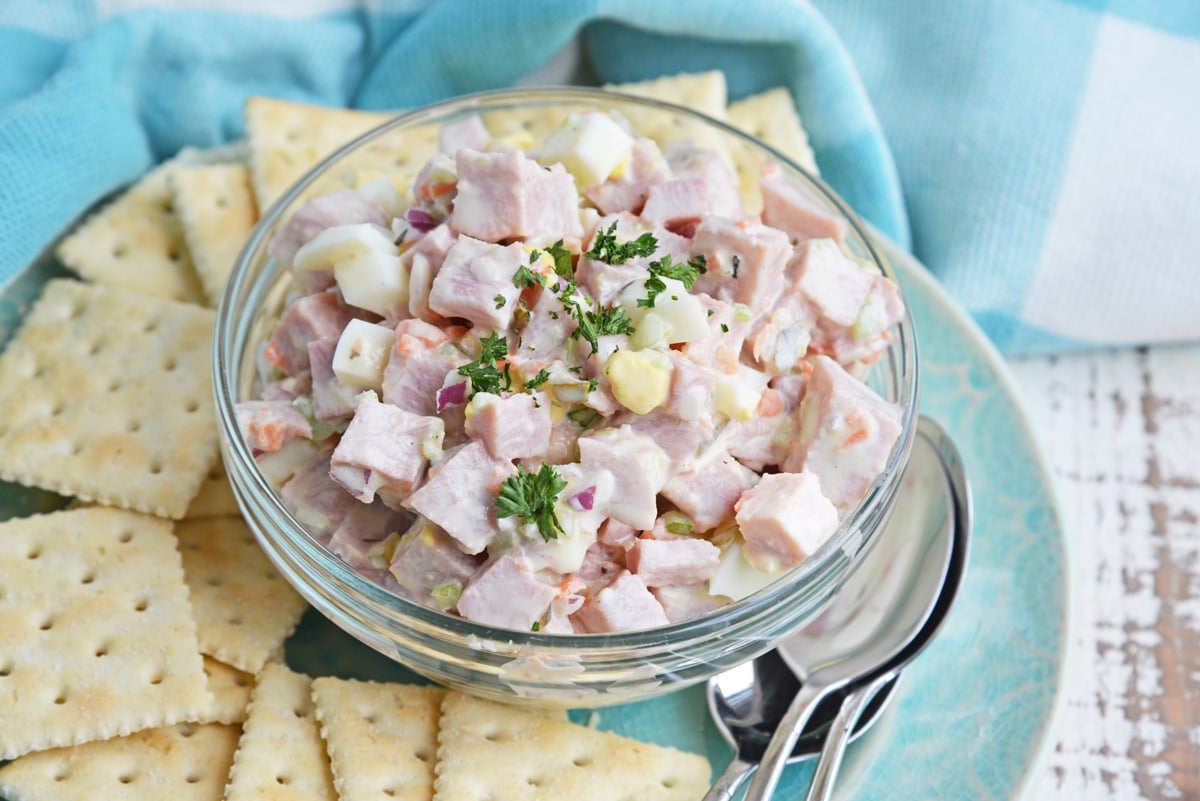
(572, 387)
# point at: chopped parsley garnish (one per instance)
(524, 278)
(536, 626)
(500, 300)
(605, 248)
(562, 259)
(686, 274)
(541, 378)
(531, 497)
(594, 322)
(483, 373)
(724, 328)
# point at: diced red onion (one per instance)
(583, 501)
(420, 219)
(685, 228)
(451, 395)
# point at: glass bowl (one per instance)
(585, 670)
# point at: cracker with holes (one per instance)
(216, 207)
(215, 498)
(96, 636)
(106, 395)
(772, 117)
(281, 755)
(703, 92)
(136, 242)
(489, 751)
(185, 762)
(381, 738)
(230, 689)
(244, 610)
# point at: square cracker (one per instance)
(489, 751)
(185, 762)
(243, 608)
(216, 207)
(215, 498)
(136, 242)
(772, 117)
(106, 395)
(703, 91)
(230, 689)
(96, 636)
(281, 755)
(382, 738)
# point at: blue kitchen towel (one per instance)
(1044, 163)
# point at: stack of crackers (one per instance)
(141, 628)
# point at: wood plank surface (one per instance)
(1121, 430)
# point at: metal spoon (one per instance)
(857, 701)
(878, 612)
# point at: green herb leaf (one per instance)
(562, 259)
(541, 378)
(595, 322)
(524, 278)
(686, 274)
(605, 247)
(500, 300)
(483, 373)
(531, 497)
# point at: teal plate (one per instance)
(972, 716)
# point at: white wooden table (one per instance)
(1121, 430)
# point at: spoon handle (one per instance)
(729, 781)
(840, 731)
(782, 742)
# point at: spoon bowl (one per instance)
(869, 621)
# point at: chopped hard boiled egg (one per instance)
(640, 379)
(591, 146)
(365, 263)
(362, 354)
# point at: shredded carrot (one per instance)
(771, 403)
(806, 369)
(268, 434)
(273, 354)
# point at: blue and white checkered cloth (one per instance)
(1041, 157)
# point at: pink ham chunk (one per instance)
(315, 500)
(546, 331)
(331, 398)
(475, 282)
(707, 491)
(504, 196)
(746, 261)
(423, 260)
(783, 519)
(426, 560)
(344, 207)
(385, 449)
(846, 432)
(516, 427)
(687, 161)
(307, 318)
(687, 602)
(679, 439)
(363, 528)
(684, 560)
(624, 605)
(867, 337)
(788, 207)
(459, 494)
(506, 593)
(418, 366)
(639, 469)
(677, 204)
(269, 425)
(628, 192)
(834, 283)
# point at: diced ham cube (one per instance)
(628, 191)
(510, 196)
(307, 318)
(516, 427)
(268, 425)
(866, 338)
(707, 491)
(385, 449)
(638, 467)
(687, 161)
(679, 439)
(760, 441)
(835, 284)
(459, 494)
(423, 260)
(315, 500)
(687, 602)
(745, 259)
(783, 519)
(331, 398)
(426, 560)
(364, 527)
(846, 432)
(684, 560)
(475, 282)
(692, 387)
(506, 593)
(344, 207)
(678, 202)
(624, 605)
(788, 207)
(418, 366)
(547, 329)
